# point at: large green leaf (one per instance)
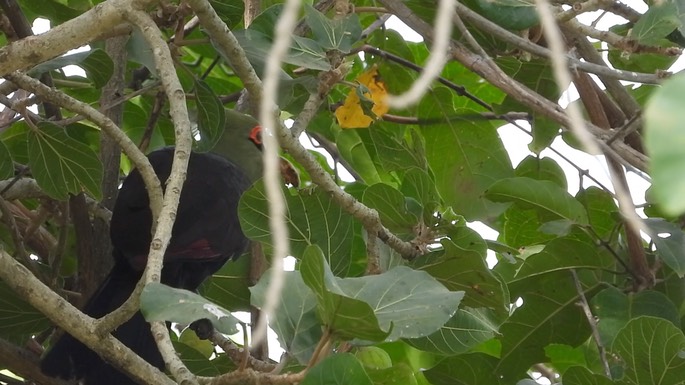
(391, 207)
(159, 302)
(229, 287)
(655, 24)
(465, 369)
(337, 369)
(670, 243)
(601, 210)
(466, 329)
(549, 314)
(652, 352)
(466, 158)
(461, 266)
(303, 52)
(340, 33)
(544, 196)
(6, 163)
(411, 301)
(295, 321)
(62, 165)
(541, 169)
(522, 228)
(615, 309)
(578, 375)
(313, 219)
(96, 63)
(211, 116)
(576, 251)
(664, 141)
(510, 14)
(345, 316)
(18, 320)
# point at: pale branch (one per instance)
(439, 53)
(373, 259)
(580, 8)
(104, 18)
(526, 45)
(251, 376)
(623, 43)
(174, 184)
(592, 322)
(523, 94)
(24, 188)
(237, 353)
(562, 75)
(615, 88)
(272, 180)
(79, 325)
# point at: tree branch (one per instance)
(66, 316)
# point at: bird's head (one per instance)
(241, 143)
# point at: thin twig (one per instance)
(592, 322)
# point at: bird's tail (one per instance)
(70, 359)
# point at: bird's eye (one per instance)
(256, 136)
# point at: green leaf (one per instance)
(659, 21)
(412, 301)
(578, 375)
(337, 369)
(466, 329)
(353, 149)
(510, 14)
(576, 251)
(652, 352)
(670, 243)
(563, 356)
(295, 321)
(304, 52)
(400, 374)
(664, 141)
(313, 219)
(159, 302)
(549, 314)
(614, 309)
(465, 369)
(338, 34)
(391, 207)
(6, 162)
(211, 117)
(61, 165)
(522, 228)
(229, 287)
(190, 338)
(96, 63)
(462, 267)
(542, 169)
(601, 210)
(466, 158)
(543, 196)
(18, 320)
(346, 317)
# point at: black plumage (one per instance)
(205, 235)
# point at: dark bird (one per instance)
(206, 234)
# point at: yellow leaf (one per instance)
(352, 113)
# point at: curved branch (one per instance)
(174, 184)
(81, 326)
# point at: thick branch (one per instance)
(103, 18)
(174, 185)
(66, 316)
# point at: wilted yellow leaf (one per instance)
(360, 112)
